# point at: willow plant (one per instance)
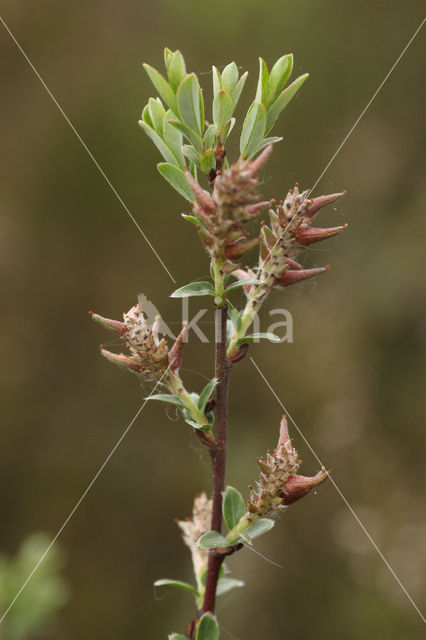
(223, 201)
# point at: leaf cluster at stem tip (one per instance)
(176, 121)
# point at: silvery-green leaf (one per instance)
(206, 393)
(263, 80)
(177, 636)
(241, 283)
(229, 77)
(173, 139)
(267, 141)
(233, 507)
(178, 584)
(259, 528)
(157, 114)
(190, 103)
(236, 92)
(217, 81)
(192, 154)
(208, 161)
(282, 101)
(146, 116)
(176, 70)
(212, 540)
(253, 130)
(194, 289)
(279, 75)
(159, 143)
(254, 337)
(210, 136)
(176, 177)
(223, 107)
(189, 133)
(226, 584)
(167, 397)
(162, 86)
(208, 628)
(226, 131)
(234, 316)
(195, 221)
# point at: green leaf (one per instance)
(167, 397)
(241, 283)
(162, 86)
(173, 139)
(160, 144)
(208, 161)
(233, 507)
(217, 80)
(157, 114)
(192, 154)
(236, 92)
(176, 583)
(263, 80)
(177, 179)
(194, 289)
(259, 336)
(226, 584)
(282, 101)
(208, 628)
(234, 316)
(223, 108)
(206, 393)
(189, 103)
(259, 528)
(212, 540)
(177, 636)
(176, 69)
(279, 75)
(189, 133)
(253, 130)
(229, 77)
(210, 136)
(195, 221)
(267, 141)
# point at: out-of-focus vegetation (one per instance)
(33, 612)
(352, 379)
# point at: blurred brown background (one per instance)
(352, 379)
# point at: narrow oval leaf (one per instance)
(253, 130)
(177, 636)
(192, 154)
(194, 289)
(157, 113)
(177, 179)
(229, 77)
(255, 337)
(188, 103)
(192, 219)
(208, 161)
(162, 86)
(184, 586)
(208, 628)
(241, 283)
(259, 528)
(206, 393)
(279, 75)
(189, 133)
(223, 108)
(176, 69)
(282, 101)
(212, 540)
(173, 139)
(263, 80)
(210, 136)
(167, 397)
(236, 92)
(227, 584)
(233, 507)
(159, 143)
